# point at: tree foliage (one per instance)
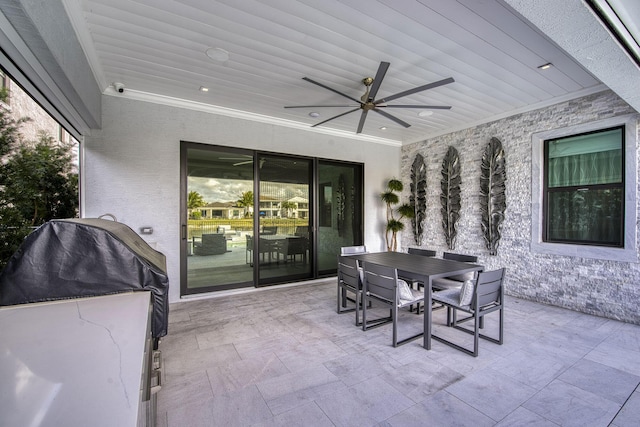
(246, 201)
(37, 183)
(394, 225)
(195, 201)
(287, 207)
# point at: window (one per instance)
(584, 188)
(583, 198)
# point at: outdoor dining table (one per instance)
(422, 269)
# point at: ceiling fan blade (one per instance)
(424, 107)
(321, 106)
(332, 90)
(363, 117)
(243, 163)
(394, 118)
(377, 80)
(335, 117)
(414, 90)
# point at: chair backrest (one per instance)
(348, 272)
(459, 257)
(302, 230)
(249, 242)
(295, 245)
(489, 287)
(423, 252)
(352, 250)
(381, 281)
(270, 229)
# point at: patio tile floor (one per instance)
(282, 356)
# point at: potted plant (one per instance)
(394, 225)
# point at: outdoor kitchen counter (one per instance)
(75, 362)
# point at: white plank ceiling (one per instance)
(157, 47)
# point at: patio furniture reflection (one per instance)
(291, 246)
(210, 244)
(264, 249)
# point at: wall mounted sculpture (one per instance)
(450, 195)
(418, 197)
(340, 206)
(493, 201)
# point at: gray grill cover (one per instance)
(75, 258)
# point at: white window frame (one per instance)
(628, 253)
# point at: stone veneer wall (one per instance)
(605, 288)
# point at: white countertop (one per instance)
(73, 362)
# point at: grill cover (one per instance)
(73, 258)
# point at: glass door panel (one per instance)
(339, 211)
(284, 243)
(219, 219)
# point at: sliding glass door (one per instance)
(254, 218)
(339, 211)
(284, 219)
(217, 220)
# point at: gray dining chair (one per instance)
(478, 298)
(264, 249)
(269, 230)
(291, 247)
(381, 285)
(416, 284)
(349, 283)
(454, 282)
(423, 252)
(353, 250)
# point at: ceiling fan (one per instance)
(368, 101)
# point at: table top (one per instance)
(75, 362)
(418, 264)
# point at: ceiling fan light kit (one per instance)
(368, 101)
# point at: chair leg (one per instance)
(501, 333)
(394, 320)
(342, 299)
(476, 332)
(364, 312)
(358, 304)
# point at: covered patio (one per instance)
(284, 357)
(131, 80)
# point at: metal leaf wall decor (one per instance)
(340, 206)
(418, 197)
(493, 201)
(450, 196)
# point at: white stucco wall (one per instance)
(131, 166)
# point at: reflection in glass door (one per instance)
(254, 218)
(285, 241)
(217, 225)
(340, 211)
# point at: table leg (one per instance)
(427, 313)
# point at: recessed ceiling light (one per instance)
(204, 89)
(217, 54)
(545, 66)
(314, 114)
(425, 113)
(383, 128)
